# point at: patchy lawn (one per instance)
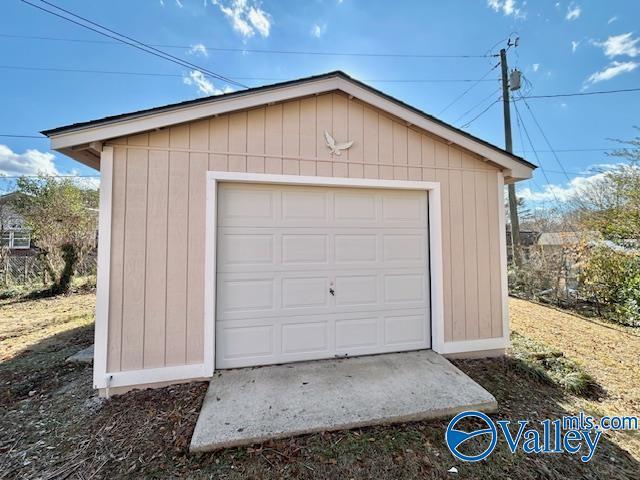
(53, 426)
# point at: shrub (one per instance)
(610, 278)
(550, 366)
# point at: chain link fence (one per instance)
(29, 270)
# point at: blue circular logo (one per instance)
(456, 438)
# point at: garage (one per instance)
(304, 220)
(312, 272)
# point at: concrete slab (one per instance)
(82, 356)
(251, 405)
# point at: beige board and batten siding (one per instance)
(158, 214)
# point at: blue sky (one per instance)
(564, 47)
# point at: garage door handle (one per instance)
(332, 291)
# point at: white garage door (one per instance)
(313, 272)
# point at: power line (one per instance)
(535, 120)
(254, 50)
(499, 99)
(170, 57)
(468, 89)
(177, 75)
(477, 104)
(136, 44)
(544, 173)
(558, 150)
(580, 94)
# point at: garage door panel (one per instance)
(357, 333)
(404, 329)
(276, 266)
(301, 292)
(245, 294)
(405, 209)
(404, 288)
(356, 289)
(246, 248)
(305, 337)
(355, 207)
(407, 247)
(305, 248)
(246, 208)
(304, 207)
(355, 248)
(250, 341)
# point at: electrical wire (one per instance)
(477, 104)
(174, 75)
(134, 43)
(455, 100)
(579, 94)
(254, 50)
(546, 139)
(499, 99)
(544, 173)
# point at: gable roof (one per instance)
(74, 139)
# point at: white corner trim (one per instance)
(436, 269)
(504, 280)
(435, 241)
(103, 273)
(210, 238)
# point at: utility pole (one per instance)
(513, 201)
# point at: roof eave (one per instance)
(67, 139)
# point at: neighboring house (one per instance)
(528, 240)
(14, 234)
(559, 240)
(243, 229)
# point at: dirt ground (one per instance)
(53, 426)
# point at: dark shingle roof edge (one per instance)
(249, 91)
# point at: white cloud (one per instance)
(203, 84)
(612, 19)
(318, 30)
(260, 20)
(246, 17)
(613, 70)
(535, 67)
(623, 44)
(198, 49)
(574, 45)
(179, 3)
(31, 162)
(573, 12)
(507, 7)
(559, 193)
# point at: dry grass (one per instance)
(608, 353)
(27, 323)
(53, 426)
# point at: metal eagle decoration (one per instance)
(336, 148)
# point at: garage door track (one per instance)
(251, 405)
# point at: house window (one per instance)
(16, 239)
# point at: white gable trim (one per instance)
(181, 114)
